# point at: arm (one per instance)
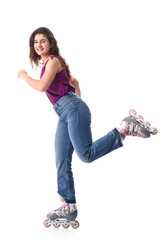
(74, 83)
(42, 85)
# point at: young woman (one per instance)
(73, 130)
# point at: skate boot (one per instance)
(65, 216)
(134, 125)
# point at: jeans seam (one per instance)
(68, 193)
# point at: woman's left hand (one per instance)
(22, 74)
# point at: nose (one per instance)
(39, 44)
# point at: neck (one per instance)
(45, 58)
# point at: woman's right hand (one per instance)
(74, 83)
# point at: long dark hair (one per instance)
(54, 50)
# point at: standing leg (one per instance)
(64, 151)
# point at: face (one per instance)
(41, 45)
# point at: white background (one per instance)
(115, 50)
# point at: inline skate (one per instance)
(65, 216)
(134, 125)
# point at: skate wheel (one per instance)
(132, 112)
(155, 131)
(56, 224)
(75, 224)
(46, 223)
(65, 225)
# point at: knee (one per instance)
(85, 158)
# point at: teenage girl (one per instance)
(73, 130)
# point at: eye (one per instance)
(43, 41)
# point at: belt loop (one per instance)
(71, 93)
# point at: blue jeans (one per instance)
(74, 132)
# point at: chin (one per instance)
(38, 53)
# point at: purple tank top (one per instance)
(60, 85)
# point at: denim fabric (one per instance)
(74, 132)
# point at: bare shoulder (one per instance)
(54, 63)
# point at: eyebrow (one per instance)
(40, 40)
